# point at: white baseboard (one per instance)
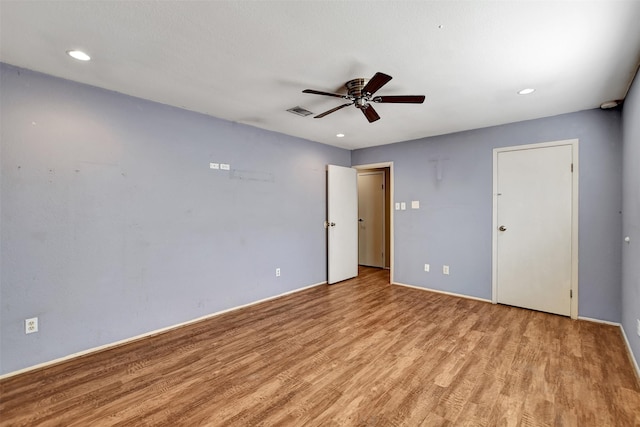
(634, 362)
(606, 322)
(631, 356)
(442, 292)
(151, 333)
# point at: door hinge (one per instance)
(572, 167)
(570, 293)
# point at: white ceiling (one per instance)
(248, 61)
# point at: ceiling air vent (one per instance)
(299, 111)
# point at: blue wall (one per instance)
(113, 225)
(454, 223)
(631, 216)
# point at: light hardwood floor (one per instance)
(358, 353)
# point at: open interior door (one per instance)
(342, 223)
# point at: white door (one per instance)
(534, 228)
(371, 218)
(342, 223)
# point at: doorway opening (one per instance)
(375, 216)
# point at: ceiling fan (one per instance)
(360, 93)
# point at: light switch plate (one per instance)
(214, 165)
(224, 166)
(403, 206)
(415, 204)
(398, 206)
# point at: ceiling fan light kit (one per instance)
(360, 94)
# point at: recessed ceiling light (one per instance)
(610, 104)
(79, 55)
(526, 91)
(340, 135)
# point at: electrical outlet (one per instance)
(214, 165)
(426, 268)
(31, 325)
(445, 269)
(277, 272)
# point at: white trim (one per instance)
(390, 207)
(437, 291)
(604, 322)
(575, 221)
(574, 217)
(494, 227)
(151, 333)
(634, 362)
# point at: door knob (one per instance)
(502, 228)
(360, 220)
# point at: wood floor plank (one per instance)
(357, 353)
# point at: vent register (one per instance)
(300, 111)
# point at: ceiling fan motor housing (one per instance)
(354, 88)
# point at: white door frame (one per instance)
(388, 206)
(574, 218)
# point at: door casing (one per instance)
(574, 217)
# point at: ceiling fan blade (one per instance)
(370, 113)
(317, 92)
(400, 99)
(321, 115)
(376, 82)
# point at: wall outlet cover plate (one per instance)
(31, 325)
